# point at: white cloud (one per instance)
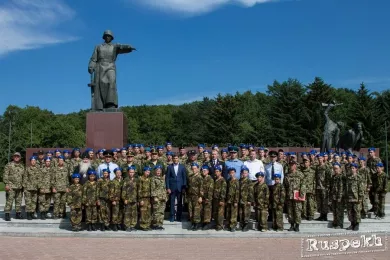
(31, 24)
(197, 6)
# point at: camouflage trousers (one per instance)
(130, 215)
(158, 213)
(277, 217)
(262, 217)
(91, 214)
(244, 212)
(206, 211)
(364, 204)
(338, 213)
(371, 195)
(322, 201)
(194, 209)
(219, 213)
(308, 207)
(116, 213)
(104, 212)
(353, 209)
(75, 218)
(59, 203)
(11, 196)
(294, 211)
(44, 202)
(145, 219)
(231, 214)
(31, 198)
(380, 204)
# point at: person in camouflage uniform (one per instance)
(245, 199)
(159, 198)
(261, 201)
(354, 195)
(130, 163)
(182, 155)
(244, 153)
(219, 197)
(277, 203)
(232, 199)
(308, 206)
(195, 193)
(154, 161)
(365, 176)
(380, 191)
(323, 175)
(103, 200)
(75, 200)
(207, 198)
(201, 156)
(129, 198)
(372, 161)
(30, 186)
(294, 182)
(336, 194)
(90, 200)
(45, 184)
(13, 180)
(115, 197)
(75, 159)
(123, 159)
(144, 197)
(60, 184)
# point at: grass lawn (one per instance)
(1, 186)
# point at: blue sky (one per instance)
(188, 49)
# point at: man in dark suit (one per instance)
(176, 183)
(215, 162)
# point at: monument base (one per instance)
(106, 130)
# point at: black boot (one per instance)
(325, 217)
(320, 218)
(102, 227)
(356, 227)
(89, 228)
(245, 228)
(17, 216)
(114, 228)
(106, 228)
(7, 217)
(29, 215)
(351, 226)
(205, 226)
(43, 215)
(33, 215)
(93, 227)
(193, 227)
(296, 229)
(119, 227)
(291, 228)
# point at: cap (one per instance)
(17, 154)
(192, 152)
(107, 153)
(76, 175)
(41, 152)
(260, 174)
(277, 175)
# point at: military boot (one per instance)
(89, 227)
(356, 227)
(245, 228)
(193, 227)
(291, 228)
(43, 215)
(17, 216)
(351, 226)
(93, 227)
(325, 217)
(7, 217)
(320, 218)
(296, 228)
(102, 227)
(29, 215)
(205, 226)
(114, 228)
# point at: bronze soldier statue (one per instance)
(331, 130)
(102, 66)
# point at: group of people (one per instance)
(129, 188)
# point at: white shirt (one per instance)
(111, 167)
(254, 167)
(278, 168)
(176, 168)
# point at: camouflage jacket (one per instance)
(245, 191)
(261, 195)
(95, 163)
(200, 157)
(381, 187)
(220, 188)
(45, 181)
(208, 188)
(103, 189)
(195, 186)
(183, 159)
(233, 192)
(13, 175)
(323, 175)
(278, 196)
(144, 188)
(129, 190)
(336, 188)
(371, 164)
(265, 160)
(122, 162)
(60, 179)
(158, 189)
(353, 188)
(365, 176)
(310, 180)
(138, 158)
(31, 178)
(74, 163)
(115, 189)
(153, 164)
(74, 197)
(90, 193)
(125, 174)
(295, 181)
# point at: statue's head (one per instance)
(358, 126)
(108, 36)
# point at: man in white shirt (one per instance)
(254, 165)
(272, 168)
(108, 164)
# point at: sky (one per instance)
(188, 49)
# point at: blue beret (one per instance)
(336, 164)
(160, 147)
(113, 149)
(336, 155)
(244, 168)
(330, 151)
(61, 157)
(169, 153)
(168, 143)
(371, 149)
(76, 149)
(51, 152)
(66, 151)
(129, 146)
(261, 148)
(362, 158)
(342, 153)
(277, 175)
(206, 151)
(47, 159)
(33, 158)
(100, 151)
(214, 146)
(132, 167)
(147, 149)
(224, 150)
(379, 164)
(313, 152)
(354, 165)
(117, 169)
(201, 146)
(76, 175)
(141, 145)
(89, 150)
(147, 168)
(205, 166)
(136, 145)
(292, 153)
(303, 153)
(106, 170)
(124, 149)
(158, 166)
(91, 172)
(242, 145)
(231, 169)
(260, 174)
(195, 164)
(57, 151)
(218, 168)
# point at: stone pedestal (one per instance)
(106, 130)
